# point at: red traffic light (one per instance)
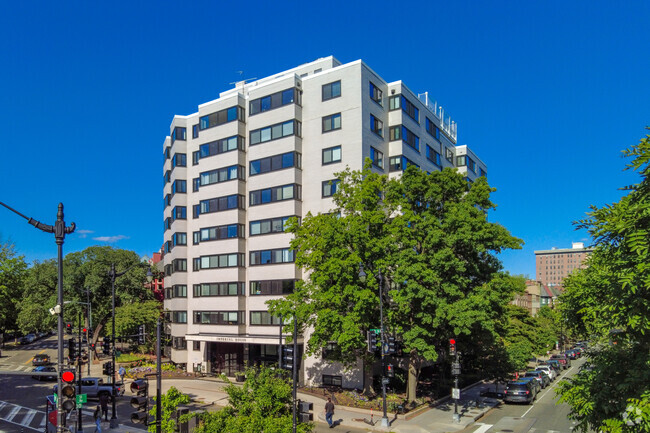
(452, 341)
(84, 330)
(67, 376)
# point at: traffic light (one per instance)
(372, 341)
(72, 348)
(106, 347)
(141, 334)
(391, 346)
(287, 357)
(68, 390)
(140, 388)
(390, 370)
(107, 368)
(304, 411)
(68, 328)
(452, 347)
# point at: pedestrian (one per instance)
(329, 412)
(98, 420)
(121, 372)
(103, 402)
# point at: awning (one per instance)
(233, 338)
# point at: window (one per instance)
(179, 265)
(329, 380)
(402, 132)
(376, 126)
(195, 131)
(180, 291)
(376, 94)
(331, 90)
(461, 161)
(168, 223)
(179, 238)
(331, 155)
(399, 163)
(178, 134)
(217, 261)
(221, 146)
(432, 129)
(332, 122)
(269, 257)
(276, 162)
(219, 317)
(223, 174)
(179, 186)
(167, 154)
(196, 345)
(471, 164)
(433, 156)
(274, 132)
(266, 226)
(179, 160)
(264, 318)
(217, 233)
(233, 288)
(332, 351)
(167, 177)
(276, 100)
(482, 172)
(219, 204)
(276, 193)
(329, 187)
(167, 201)
(179, 213)
(399, 101)
(272, 287)
(377, 158)
(449, 155)
(179, 343)
(178, 316)
(221, 117)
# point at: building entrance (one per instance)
(226, 358)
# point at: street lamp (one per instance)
(60, 230)
(113, 275)
(384, 380)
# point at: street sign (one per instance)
(56, 398)
(455, 393)
(376, 331)
(386, 348)
(82, 398)
(385, 381)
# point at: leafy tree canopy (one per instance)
(12, 273)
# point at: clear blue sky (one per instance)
(546, 93)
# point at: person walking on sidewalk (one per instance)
(103, 402)
(98, 420)
(329, 412)
(122, 373)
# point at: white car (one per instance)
(548, 370)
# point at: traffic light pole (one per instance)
(60, 230)
(384, 418)
(79, 423)
(295, 372)
(158, 379)
(113, 275)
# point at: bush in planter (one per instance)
(240, 376)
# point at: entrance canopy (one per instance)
(231, 338)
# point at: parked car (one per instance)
(555, 364)
(29, 338)
(550, 371)
(571, 354)
(41, 359)
(533, 380)
(563, 360)
(95, 386)
(520, 392)
(542, 378)
(44, 369)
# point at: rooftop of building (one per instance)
(576, 247)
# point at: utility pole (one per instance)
(158, 378)
(79, 423)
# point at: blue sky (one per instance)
(546, 93)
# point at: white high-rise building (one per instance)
(262, 152)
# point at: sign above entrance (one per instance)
(257, 339)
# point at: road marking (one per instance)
(26, 419)
(30, 416)
(483, 428)
(548, 390)
(14, 411)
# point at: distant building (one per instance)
(554, 265)
(536, 296)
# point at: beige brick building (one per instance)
(552, 266)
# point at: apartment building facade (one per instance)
(554, 265)
(243, 164)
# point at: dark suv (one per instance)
(564, 361)
(520, 392)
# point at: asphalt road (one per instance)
(544, 416)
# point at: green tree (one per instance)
(129, 317)
(262, 404)
(169, 402)
(610, 302)
(39, 294)
(12, 273)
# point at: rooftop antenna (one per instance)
(241, 83)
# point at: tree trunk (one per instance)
(368, 390)
(413, 374)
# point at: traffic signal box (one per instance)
(287, 357)
(68, 328)
(304, 411)
(372, 341)
(140, 401)
(106, 346)
(107, 368)
(68, 390)
(72, 349)
(390, 370)
(452, 347)
(141, 334)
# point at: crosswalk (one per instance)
(15, 368)
(491, 428)
(26, 417)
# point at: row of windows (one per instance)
(223, 174)
(230, 231)
(179, 133)
(219, 204)
(276, 100)
(266, 226)
(264, 318)
(176, 291)
(217, 147)
(401, 132)
(234, 288)
(399, 101)
(219, 317)
(276, 162)
(218, 261)
(267, 257)
(275, 132)
(399, 163)
(221, 117)
(272, 287)
(276, 193)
